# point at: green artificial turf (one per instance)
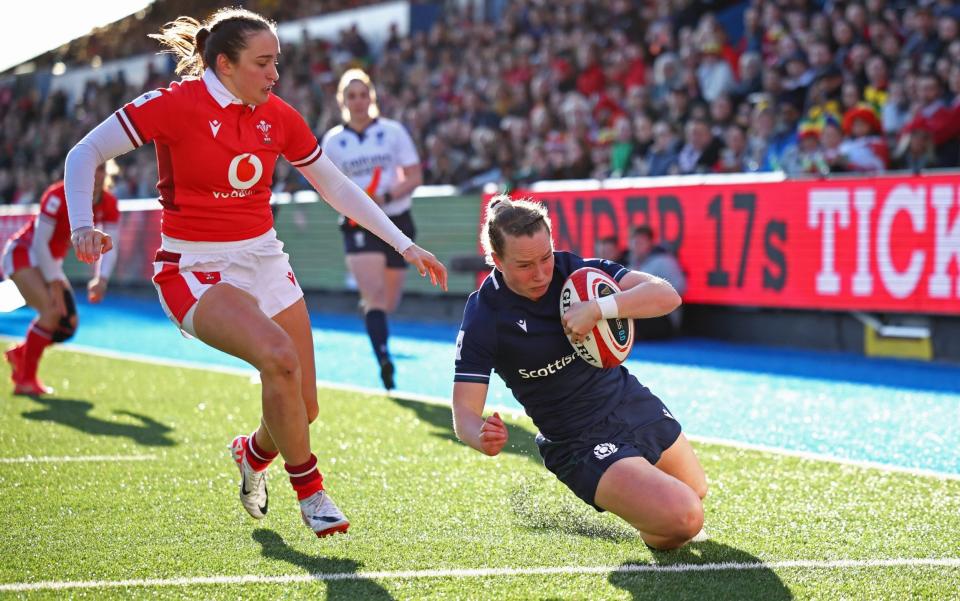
(418, 500)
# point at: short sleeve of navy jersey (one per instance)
(476, 343)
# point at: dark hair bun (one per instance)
(500, 200)
(201, 40)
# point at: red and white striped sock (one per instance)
(257, 458)
(305, 478)
(37, 340)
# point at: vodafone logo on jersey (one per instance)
(245, 171)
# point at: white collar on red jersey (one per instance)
(220, 93)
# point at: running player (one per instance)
(221, 272)
(378, 155)
(602, 433)
(33, 259)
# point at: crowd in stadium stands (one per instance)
(575, 89)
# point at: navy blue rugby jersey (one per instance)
(523, 341)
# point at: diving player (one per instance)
(602, 433)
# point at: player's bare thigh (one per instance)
(681, 462)
(652, 501)
(368, 270)
(36, 293)
(229, 319)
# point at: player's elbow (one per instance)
(668, 299)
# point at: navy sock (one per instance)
(377, 331)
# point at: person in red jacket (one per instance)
(33, 260)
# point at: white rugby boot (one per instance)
(253, 484)
(322, 515)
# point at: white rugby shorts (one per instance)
(17, 255)
(183, 271)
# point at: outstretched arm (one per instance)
(347, 198)
(485, 435)
(104, 142)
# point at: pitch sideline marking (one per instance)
(479, 573)
(77, 458)
(252, 374)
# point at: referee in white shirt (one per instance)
(380, 157)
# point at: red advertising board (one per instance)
(878, 244)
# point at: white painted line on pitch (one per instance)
(482, 573)
(423, 398)
(78, 458)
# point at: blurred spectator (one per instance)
(701, 151)
(608, 248)
(733, 156)
(714, 75)
(806, 157)
(919, 152)
(831, 137)
(662, 157)
(656, 259)
(864, 149)
(556, 87)
(896, 110)
(931, 114)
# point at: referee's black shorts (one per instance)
(357, 240)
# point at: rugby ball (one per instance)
(609, 342)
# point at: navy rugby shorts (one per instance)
(356, 239)
(641, 426)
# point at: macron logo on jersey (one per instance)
(215, 127)
(523, 324)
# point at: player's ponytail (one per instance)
(198, 44)
(508, 217)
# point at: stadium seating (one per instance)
(581, 90)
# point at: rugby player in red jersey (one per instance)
(33, 260)
(221, 272)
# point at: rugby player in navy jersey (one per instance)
(602, 433)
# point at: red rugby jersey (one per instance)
(215, 156)
(53, 206)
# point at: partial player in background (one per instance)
(221, 272)
(656, 259)
(378, 155)
(602, 433)
(33, 260)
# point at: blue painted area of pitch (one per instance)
(900, 413)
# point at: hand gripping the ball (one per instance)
(580, 318)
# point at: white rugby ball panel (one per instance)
(608, 344)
